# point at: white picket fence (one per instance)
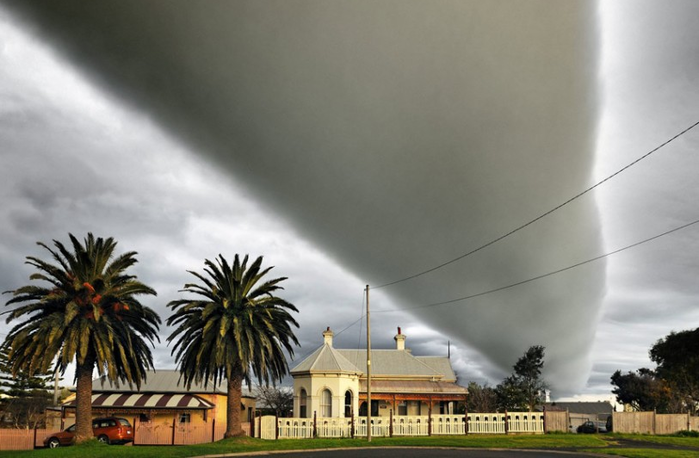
(420, 425)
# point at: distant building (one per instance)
(333, 383)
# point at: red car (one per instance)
(111, 430)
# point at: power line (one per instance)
(543, 215)
(539, 277)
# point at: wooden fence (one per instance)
(22, 439)
(653, 423)
(144, 434)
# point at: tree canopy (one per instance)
(85, 311)
(235, 328)
(677, 357)
(525, 388)
(673, 387)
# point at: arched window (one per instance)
(302, 403)
(326, 404)
(348, 403)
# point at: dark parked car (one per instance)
(111, 430)
(590, 427)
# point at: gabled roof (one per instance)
(384, 363)
(441, 365)
(391, 363)
(326, 359)
(413, 387)
(162, 381)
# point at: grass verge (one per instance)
(592, 443)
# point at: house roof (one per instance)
(163, 381)
(391, 363)
(326, 359)
(441, 365)
(413, 387)
(589, 408)
(384, 363)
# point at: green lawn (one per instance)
(596, 443)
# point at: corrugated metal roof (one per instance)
(440, 364)
(163, 381)
(326, 359)
(413, 387)
(391, 363)
(146, 401)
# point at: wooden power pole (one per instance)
(368, 368)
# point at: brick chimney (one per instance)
(400, 340)
(328, 337)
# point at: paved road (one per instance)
(429, 453)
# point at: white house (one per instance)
(332, 382)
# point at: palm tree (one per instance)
(88, 315)
(236, 327)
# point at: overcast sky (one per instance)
(364, 142)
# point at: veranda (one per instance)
(271, 427)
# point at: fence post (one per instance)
(654, 414)
(213, 430)
(135, 419)
(174, 424)
(507, 423)
(466, 420)
(314, 424)
(544, 414)
(259, 425)
(429, 419)
(390, 423)
(352, 427)
(34, 444)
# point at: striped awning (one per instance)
(146, 401)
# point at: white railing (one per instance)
(334, 427)
(525, 422)
(446, 425)
(295, 428)
(380, 427)
(403, 425)
(486, 423)
(412, 425)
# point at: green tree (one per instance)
(88, 315)
(644, 391)
(26, 398)
(525, 388)
(21, 384)
(677, 357)
(236, 327)
(481, 398)
(510, 394)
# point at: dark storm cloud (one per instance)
(395, 135)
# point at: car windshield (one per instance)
(71, 428)
(124, 422)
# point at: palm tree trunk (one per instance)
(235, 395)
(83, 394)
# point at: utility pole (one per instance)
(368, 368)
